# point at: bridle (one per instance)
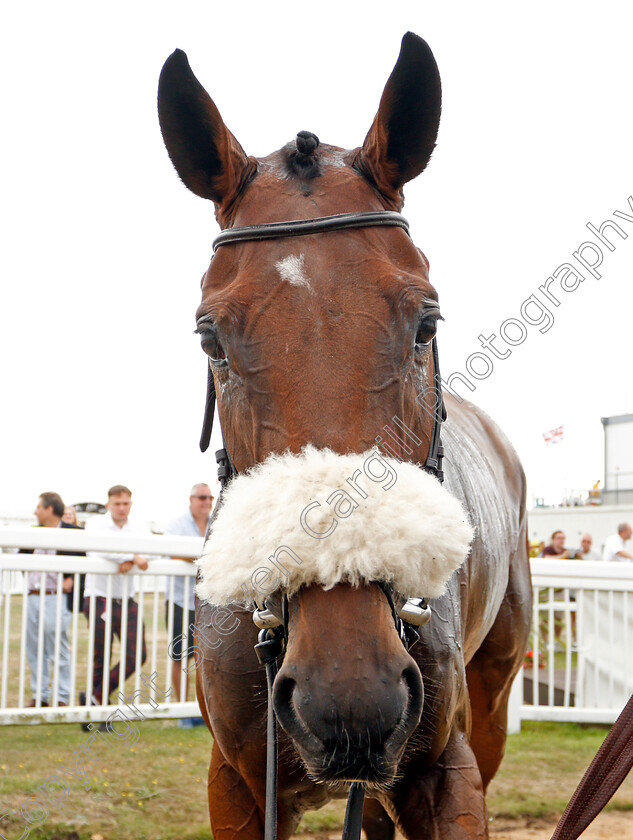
(615, 757)
(305, 227)
(408, 613)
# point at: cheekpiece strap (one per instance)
(433, 463)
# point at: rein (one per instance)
(273, 628)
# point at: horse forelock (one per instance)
(302, 156)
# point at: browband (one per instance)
(303, 227)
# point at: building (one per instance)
(618, 460)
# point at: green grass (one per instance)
(542, 767)
(156, 790)
(328, 818)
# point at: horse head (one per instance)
(318, 339)
(323, 339)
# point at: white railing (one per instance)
(582, 638)
(150, 690)
(582, 635)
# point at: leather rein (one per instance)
(408, 613)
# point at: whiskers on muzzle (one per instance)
(355, 756)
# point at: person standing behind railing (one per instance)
(615, 547)
(193, 523)
(556, 551)
(49, 512)
(586, 552)
(115, 521)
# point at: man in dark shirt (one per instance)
(557, 547)
(557, 550)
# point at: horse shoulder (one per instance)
(483, 471)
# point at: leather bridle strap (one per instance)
(303, 227)
(270, 817)
(354, 812)
(433, 463)
(268, 648)
(209, 409)
(226, 469)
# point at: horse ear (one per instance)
(402, 137)
(208, 158)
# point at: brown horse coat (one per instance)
(323, 339)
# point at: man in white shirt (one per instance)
(115, 521)
(193, 523)
(615, 546)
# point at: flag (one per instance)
(554, 435)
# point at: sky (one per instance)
(103, 380)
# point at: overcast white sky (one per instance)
(102, 378)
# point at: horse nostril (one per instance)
(282, 693)
(413, 680)
(289, 716)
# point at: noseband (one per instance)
(408, 612)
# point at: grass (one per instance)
(542, 767)
(156, 789)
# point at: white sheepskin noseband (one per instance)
(324, 518)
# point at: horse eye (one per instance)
(212, 345)
(426, 331)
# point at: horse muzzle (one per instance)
(347, 724)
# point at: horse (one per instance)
(321, 338)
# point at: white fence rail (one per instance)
(581, 642)
(579, 667)
(42, 636)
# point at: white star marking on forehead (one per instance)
(292, 270)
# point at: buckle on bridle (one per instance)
(266, 620)
(415, 611)
(410, 613)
